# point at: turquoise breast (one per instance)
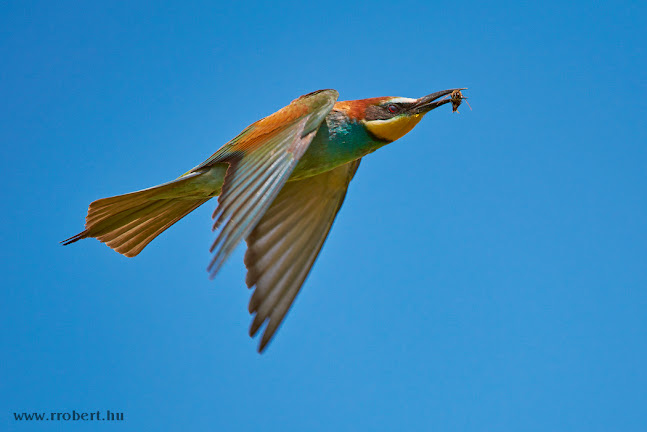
(337, 142)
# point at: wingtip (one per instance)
(214, 266)
(253, 331)
(265, 340)
(261, 348)
(255, 326)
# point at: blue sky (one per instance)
(487, 272)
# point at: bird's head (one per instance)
(390, 118)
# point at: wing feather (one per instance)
(284, 245)
(261, 159)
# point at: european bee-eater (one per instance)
(279, 183)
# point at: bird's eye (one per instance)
(392, 108)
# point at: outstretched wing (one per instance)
(283, 246)
(260, 161)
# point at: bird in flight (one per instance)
(279, 183)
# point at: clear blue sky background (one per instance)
(488, 272)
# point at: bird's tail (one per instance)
(127, 223)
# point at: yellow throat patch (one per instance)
(394, 128)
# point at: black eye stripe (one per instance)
(386, 111)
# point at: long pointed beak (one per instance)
(432, 101)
